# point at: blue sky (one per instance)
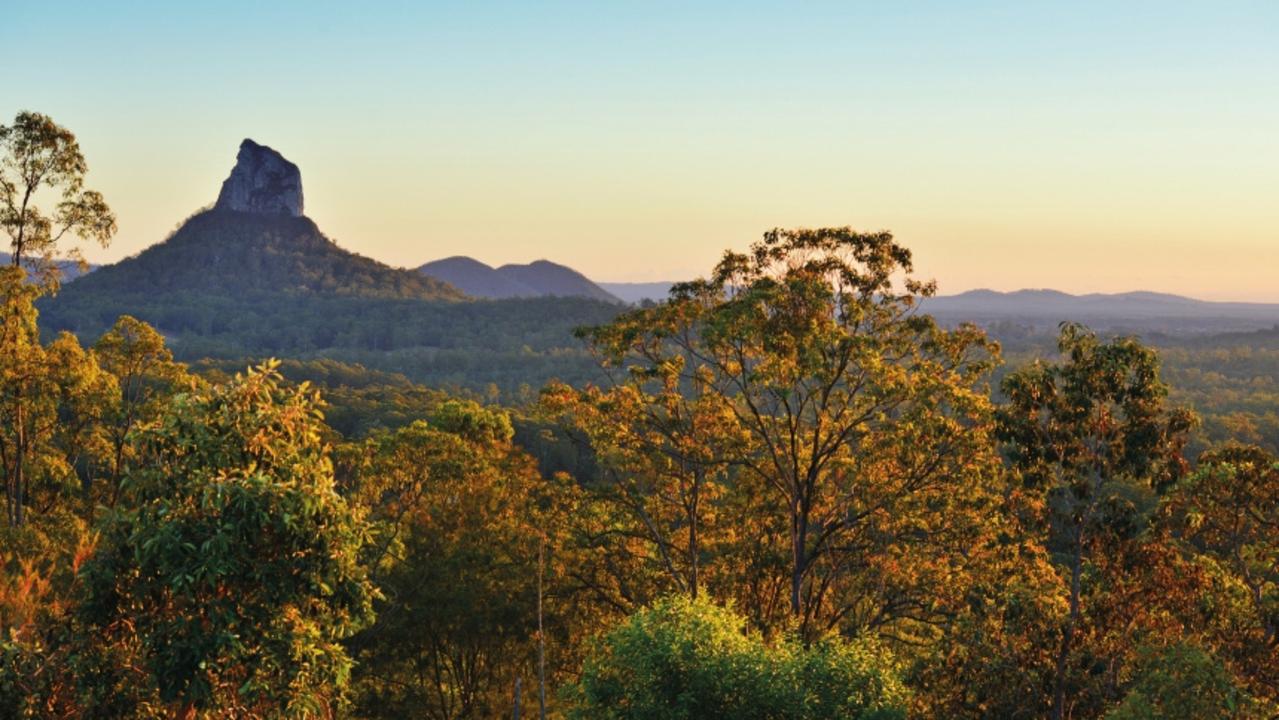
(1084, 146)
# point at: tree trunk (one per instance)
(799, 537)
(19, 467)
(1068, 632)
(541, 638)
(693, 553)
(20, 482)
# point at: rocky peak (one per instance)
(262, 181)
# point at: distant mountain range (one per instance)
(637, 292)
(536, 279)
(70, 268)
(240, 269)
(1145, 311)
(1045, 309)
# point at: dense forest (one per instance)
(783, 492)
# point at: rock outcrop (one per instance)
(263, 182)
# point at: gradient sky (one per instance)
(1084, 146)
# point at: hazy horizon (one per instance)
(1084, 149)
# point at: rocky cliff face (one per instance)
(262, 182)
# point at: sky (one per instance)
(1083, 146)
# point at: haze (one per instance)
(1081, 147)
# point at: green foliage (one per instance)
(858, 426)
(790, 435)
(469, 420)
(691, 659)
(1183, 682)
(50, 397)
(1226, 515)
(232, 562)
(467, 345)
(1231, 380)
(1091, 436)
(135, 355)
(1100, 411)
(458, 516)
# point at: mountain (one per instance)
(549, 278)
(639, 291)
(254, 242)
(476, 279)
(236, 253)
(541, 278)
(253, 277)
(1130, 311)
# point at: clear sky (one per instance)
(1086, 146)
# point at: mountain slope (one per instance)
(255, 242)
(475, 278)
(549, 278)
(536, 279)
(236, 253)
(254, 278)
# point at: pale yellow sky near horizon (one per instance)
(1086, 147)
(1074, 227)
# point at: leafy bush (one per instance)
(693, 659)
(1187, 683)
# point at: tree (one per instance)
(686, 658)
(1091, 434)
(37, 155)
(663, 449)
(458, 515)
(866, 425)
(1183, 682)
(50, 399)
(1227, 516)
(146, 375)
(232, 565)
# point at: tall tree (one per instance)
(1090, 434)
(664, 451)
(457, 515)
(147, 376)
(50, 400)
(233, 566)
(37, 156)
(866, 423)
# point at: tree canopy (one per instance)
(38, 156)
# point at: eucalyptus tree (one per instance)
(1093, 435)
(858, 428)
(38, 158)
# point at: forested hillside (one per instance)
(231, 253)
(463, 344)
